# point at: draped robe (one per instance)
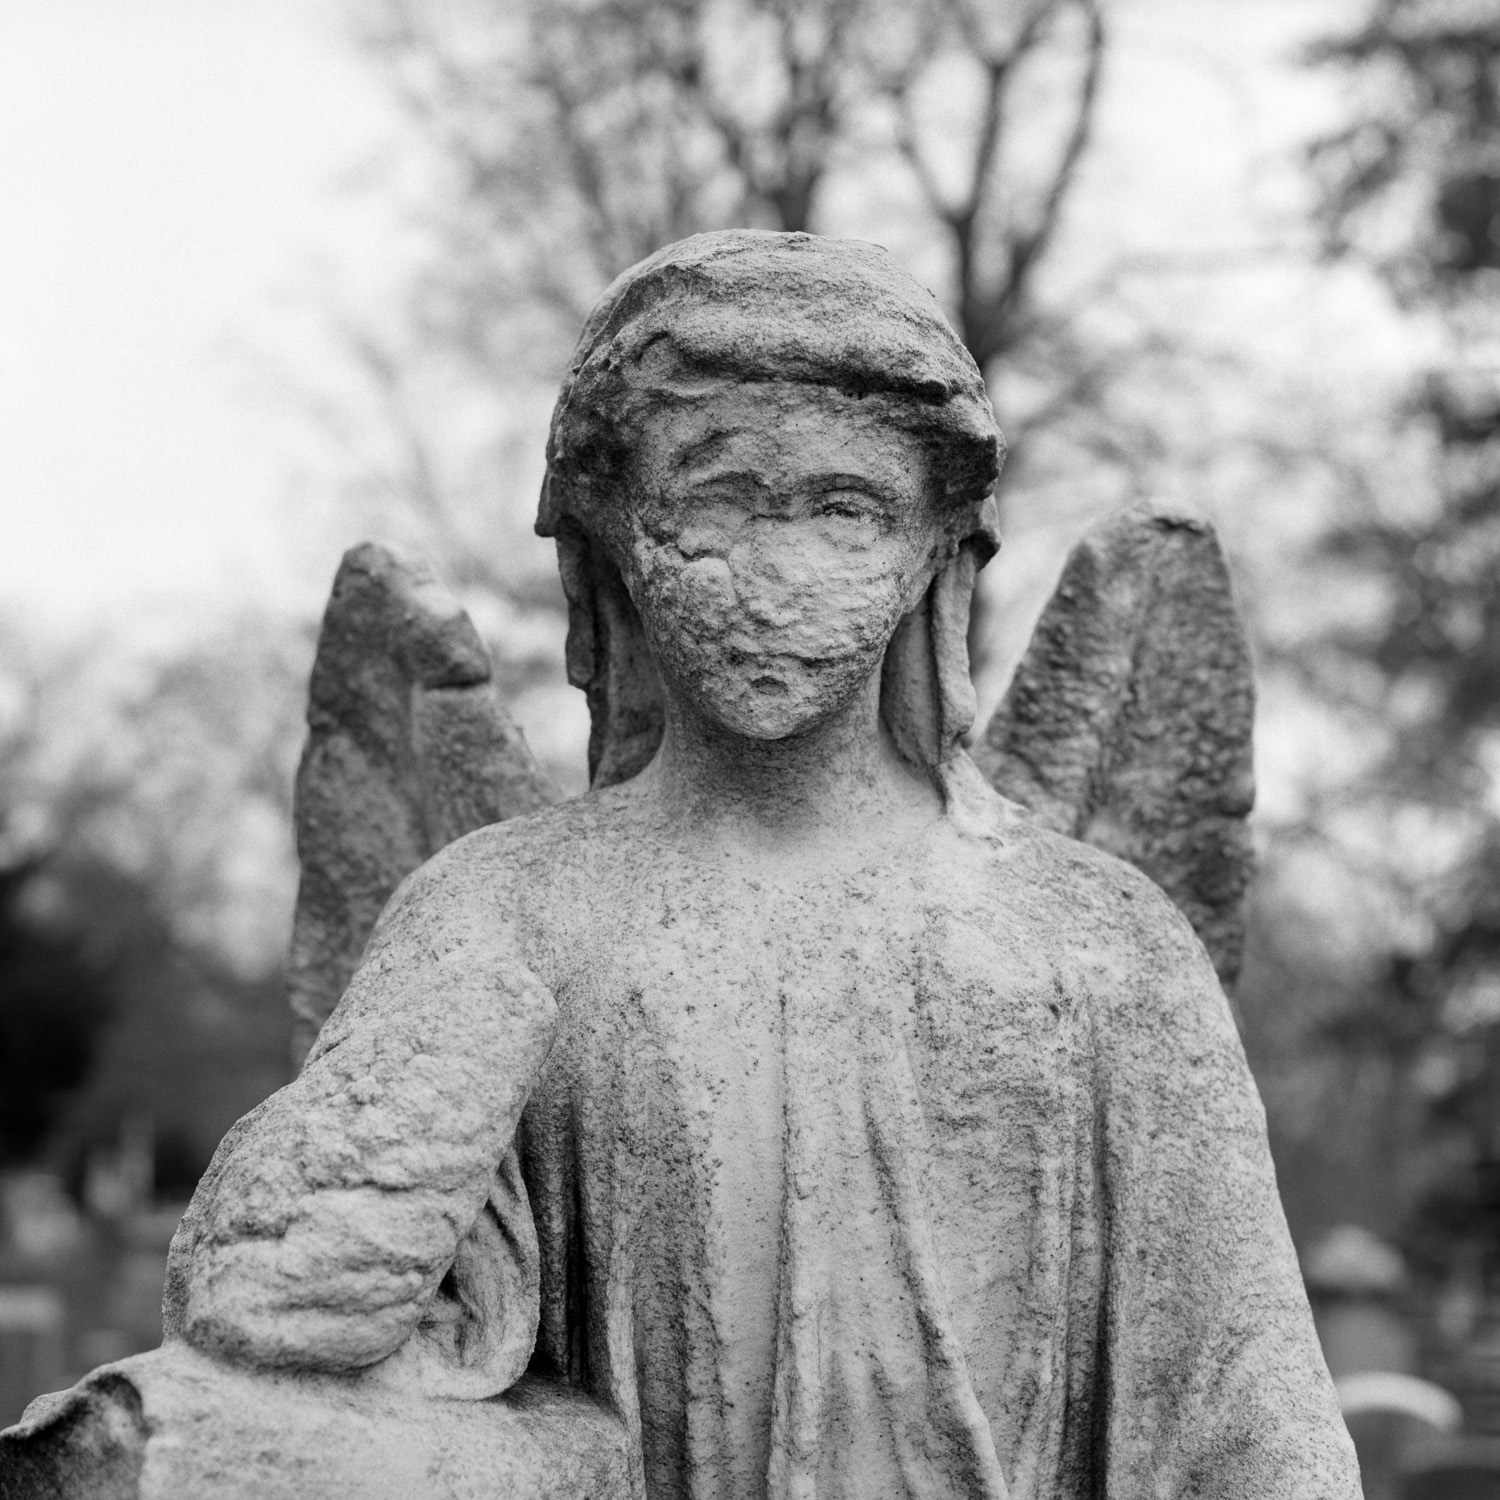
(943, 1176)
(935, 1175)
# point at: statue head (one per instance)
(770, 472)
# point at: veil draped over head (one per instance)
(748, 306)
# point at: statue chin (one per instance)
(765, 708)
(776, 698)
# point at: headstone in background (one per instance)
(1400, 1425)
(33, 1346)
(1356, 1284)
(1468, 1470)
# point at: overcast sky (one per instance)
(169, 173)
(174, 174)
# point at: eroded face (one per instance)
(779, 534)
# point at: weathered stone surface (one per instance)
(363, 1243)
(373, 1206)
(72, 1446)
(409, 746)
(1128, 724)
(176, 1425)
(840, 1130)
(776, 324)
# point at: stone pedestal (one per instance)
(176, 1425)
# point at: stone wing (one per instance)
(1128, 723)
(408, 748)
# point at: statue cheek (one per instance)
(696, 599)
(703, 591)
(873, 607)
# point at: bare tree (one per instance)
(576, 137)
(999, 225)
(569, 138)
(583, 134)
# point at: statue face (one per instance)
(779, 533)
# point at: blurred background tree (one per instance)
(1398, 1040)
(579, 137)
(563, 142)
(52, 1007)
(144, 882)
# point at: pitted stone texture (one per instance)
(409, 746)
(176, 1425)
(356, 1214)
(1129, 722)
(85, 1444)
(933, 1169)
(779, 325)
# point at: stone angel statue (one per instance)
(816, 1109)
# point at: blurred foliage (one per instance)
(1412, 186)
(53, 1005)
(171, 765)
(145, 878)
(1413, 180)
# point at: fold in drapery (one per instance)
(479, 1329)
(1026, 1241)
(858, 1383)
(846, 1192)
(872, 1393)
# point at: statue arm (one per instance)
(348, 1209)
(1216, 1384)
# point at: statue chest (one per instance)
(714, 1015)
(860, 1096)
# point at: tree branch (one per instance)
(1029, 249)
(989, 320)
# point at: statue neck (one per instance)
(840, 782)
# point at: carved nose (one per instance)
(765, 592)
(767, 606)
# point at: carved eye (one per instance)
(850, 504)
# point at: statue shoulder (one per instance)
(503, 867)
(1102, 915)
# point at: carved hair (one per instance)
(745, 306)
